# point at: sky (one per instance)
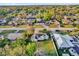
(38, 2)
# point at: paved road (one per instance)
(12, 29)
(46, 27)
(38, 28)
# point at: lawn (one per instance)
(6, 26)
(19, 26)
(65, 26)
(47, 47)
(38, 26)
(22, 26)
(74, 33)
(68, 26)
(52, 26)
(7, 31)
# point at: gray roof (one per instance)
(2, 21)
(13, 36)
(39, 37)
(67, 42)
(62, 41)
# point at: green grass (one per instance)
(68, 26)
(52, 26)
(22, 26)
(31, 48)
(7, 31)
(38, 26)
(48, 47)
(5, 26)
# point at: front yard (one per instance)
(21, 26)
(6, 26)
(68, 26)
(38, 26)
(52, 26)
(7, 32)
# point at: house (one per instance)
(14, 23)
(41, 20)
(39, 37)
(2, 21)
(14, 36)
(76, 48)
(1, 37)
(68, 39)
(75, 39)
(62, 41)
(77, 36)
(48, 22)
(72, 39)
(38, 20)
(15, 19)
(73, 52)
(31, 18)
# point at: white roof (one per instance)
(42, 37)
(46, 36)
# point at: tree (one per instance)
(44, 31)
(59, 17)
(29, 32)
(39, 16)
(48, 15)
(19, 43)
(3, 12)
(30, 49)
(17, 51)
(3, 43)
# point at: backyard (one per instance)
(47, 47)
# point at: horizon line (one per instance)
(27, 4)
